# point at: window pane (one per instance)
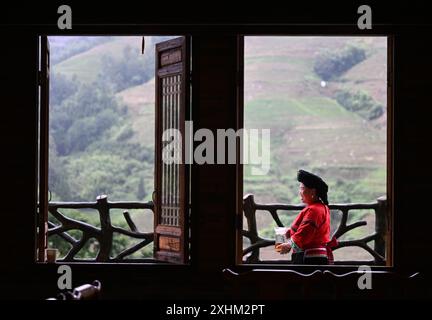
(324, 100)
(170, 183)
(102, 129)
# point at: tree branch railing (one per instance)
(104, 234)
(252, 252)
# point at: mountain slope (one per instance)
(309, 129)
(87, 65)
(282, 92)
(140, 102)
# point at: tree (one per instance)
(141, 190)
(331, 64)
(131, 70)
(361, 103)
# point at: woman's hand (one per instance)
(283, 248)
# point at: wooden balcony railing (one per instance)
(252, 252)
(104, 234)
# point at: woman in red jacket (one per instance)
(309, 235)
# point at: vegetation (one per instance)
(131, 70)
(91, 151)
(312, 129)
(101, 124)
(63, 48)
(331, 64)
(361, 103)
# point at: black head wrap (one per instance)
(314, 182)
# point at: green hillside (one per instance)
(86, 65)
(140, 102)
(309, 128)
(283, 93)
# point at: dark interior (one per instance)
(215, 34)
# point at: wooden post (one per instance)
(249, 211)
(105, 241)
(381, 226)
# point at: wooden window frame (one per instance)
(173, 236)
(43, 147)
(41, 223)
(391, 263)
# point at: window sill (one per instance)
(117, 266)
(315, 272)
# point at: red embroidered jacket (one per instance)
(311, 228)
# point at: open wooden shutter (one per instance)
(43, 79)
(171, 241)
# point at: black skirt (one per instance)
(298, 258)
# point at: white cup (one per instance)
(280, 236)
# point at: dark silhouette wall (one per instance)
(214, 41)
